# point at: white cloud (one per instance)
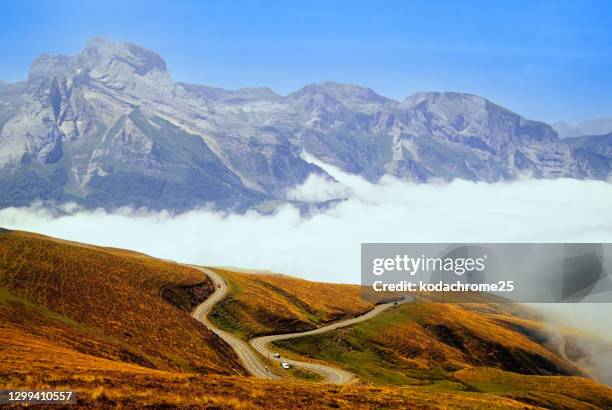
(326, 245)
(318, 188)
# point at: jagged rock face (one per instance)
(110, 127)
(472, 138)
(592, 154)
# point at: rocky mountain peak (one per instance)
(352, 92)
(472, 115)
(341, 92)
(314, 97)
(49, 66)
(101, 59)
(109, 127)
(440, 100)
(331, 95)
(102, 54)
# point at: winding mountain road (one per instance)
(330, 374)
(248, 355)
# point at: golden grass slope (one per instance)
(260, 304)
(135, 388)
(113, 325)
(560, 392)
(98, 322)
(105, 303)
(445, 347)
(423, 343)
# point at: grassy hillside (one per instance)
(424, 343)
(445, 347)
(137, 387)
(260, 304)
(545, 391)
(113, 326)
(92, 303)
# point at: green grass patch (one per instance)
(353, 348)
(223, 314)
(7, 298)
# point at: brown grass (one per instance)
(111, 325)
(423, 342)
(546, 391)
(104, 303)
(476, 337)
(136, 389)
(267, 304)
(443, 347)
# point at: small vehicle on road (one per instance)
(285, 365)
(277, 355)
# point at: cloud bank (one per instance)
(326, 245)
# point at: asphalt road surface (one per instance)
(249, 359)
(247, 354)
(330, 374)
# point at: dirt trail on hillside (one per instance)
(247, 354)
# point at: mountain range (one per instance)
(109, 127)
(595, 126)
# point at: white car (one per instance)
(285, 365)
(277, 355)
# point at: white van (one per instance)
(285, 365)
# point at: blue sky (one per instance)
(547, 60)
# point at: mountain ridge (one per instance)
(595, 126)
(109, 127)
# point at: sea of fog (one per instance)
(325, 245)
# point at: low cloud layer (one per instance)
(326, 245)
